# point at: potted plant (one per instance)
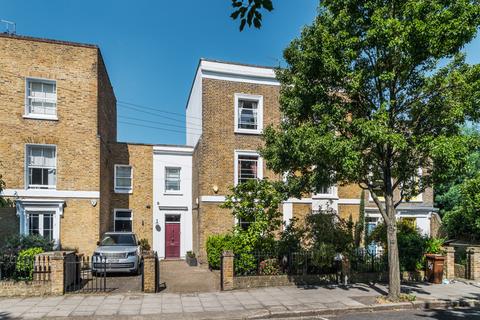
(191, 259)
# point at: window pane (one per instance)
(247, 168)
(172, 218)
(247, 114)
(36, 176)
(172, 179)
(124, 183)
(124, 172)
(33, 224)
(123, 214)
(48, 226)
(123, 225)
(36, 156)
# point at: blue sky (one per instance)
(152, 48)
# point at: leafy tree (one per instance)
(411, 243)
(372, 92)
(463, 222)
(256, 203)
(448, 194)
(249, 11)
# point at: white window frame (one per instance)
(27, 167)
(24, 206)
(41, 226)
(122, 219)
(31, 115)
(122, 189)
(259, 100)
(175, 192)
(332, 194)
(247, 153)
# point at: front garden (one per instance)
(322, 245)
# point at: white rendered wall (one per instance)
(194, 111)
(172, 203)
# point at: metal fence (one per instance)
(87, 275)
(306, 263)
(13, 267)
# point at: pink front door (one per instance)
(172, 240)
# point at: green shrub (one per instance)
(216, 244)
(269, 267)
(14, 244)
(25, 261)
(411, 244)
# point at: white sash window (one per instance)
(41, 98)
(41, 166)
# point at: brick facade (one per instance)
(140, 201)
(86, 122)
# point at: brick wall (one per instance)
(86, 117)
(140, 201)
(214, 155)
(75, 133)
(79, 225)
(107, 129)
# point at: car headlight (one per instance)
(132, 254)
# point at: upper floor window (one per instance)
(248, 113)
(41, 99)
(325, 189)
(123, 178)
(41, 166)
(248, 165)
(172, 179)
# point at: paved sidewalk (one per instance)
(235, 304)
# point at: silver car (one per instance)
(117, 252)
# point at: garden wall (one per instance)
(11, 288)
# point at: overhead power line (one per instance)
(156, 109)
(158, 123)
(158, 115)
(156, 128)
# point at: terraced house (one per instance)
(71, 180)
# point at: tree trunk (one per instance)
(393, 258)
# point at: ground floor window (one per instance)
(123, 220)
(41, 223)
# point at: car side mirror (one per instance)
(138, 242)
(98, 243)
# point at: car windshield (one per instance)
(119, 240)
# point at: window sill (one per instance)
(40, 117)
(123, 191)
(247, 131)
(37, 187)
(172, 193)
(325, 196)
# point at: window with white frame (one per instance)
(248, 166)
(325, 189)
(123, 220)
(248, 113)
(41, 98)
(172, 179)
(41, 166)
(123, 178)
(40, 223)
